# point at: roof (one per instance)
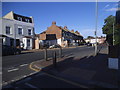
(13, 16)
(69, 31)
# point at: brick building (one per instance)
(59, 35)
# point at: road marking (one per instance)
(30, 66)
(32, 73)
(67, 81)
(13, 70)
(31, 86)
(23, 65)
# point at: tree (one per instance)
(108, 30)
(90, 37)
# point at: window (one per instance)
(29, 32)
(8, 30)
(19, 18)
(20, 31)
(28, 42)
(27, 20)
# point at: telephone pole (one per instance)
(113, 34)
(96, 27)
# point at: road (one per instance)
(43, 80)
(16, 67)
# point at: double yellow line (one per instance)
(34, 69)
(59, 78)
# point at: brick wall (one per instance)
(52, 30)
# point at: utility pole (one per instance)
(96, 26)
(113, 34)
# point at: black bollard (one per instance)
(54, 59)
(45, 54)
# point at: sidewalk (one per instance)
(91, 71)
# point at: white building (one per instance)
(100, 40)
(17, 31)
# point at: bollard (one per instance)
(60, 52)
(54, 59)
(45, 54)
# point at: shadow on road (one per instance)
(87, 70)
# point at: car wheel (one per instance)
(17, 52)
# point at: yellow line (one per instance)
(30, 66)
(70, 82)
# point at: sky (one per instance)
(80, 16)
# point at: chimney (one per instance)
(77, 32)
(65, 27)
(72, 30)
(53, 23)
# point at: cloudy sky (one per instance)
(75, 15)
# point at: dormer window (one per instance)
(19, 18)
(27, 20)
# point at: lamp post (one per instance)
(113, 34)
(96, 27)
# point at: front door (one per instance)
(18, 43)
(12, 42)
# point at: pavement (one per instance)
(91, 71)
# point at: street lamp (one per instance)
(96, 26)
(113, 34)
(113, 30)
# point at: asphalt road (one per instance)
(43, 80)
(16, 67)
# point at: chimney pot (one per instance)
(53, 23)
(72, 30)
(65, 27)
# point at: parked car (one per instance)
(8, 50)
(55, 46)
(88, 44)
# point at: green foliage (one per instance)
(90, 37)
(108, 30)
(108, 27)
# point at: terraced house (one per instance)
(60, 35)
(17, 31)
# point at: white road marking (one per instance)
(31, 86)
(23, 65)
(13, 70)
(25, 76)
(32, 73)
